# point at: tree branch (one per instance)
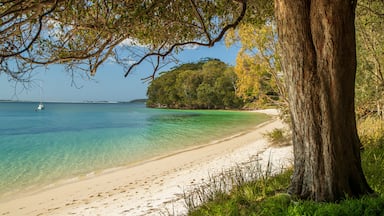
(201, 20)
(210, 43)
(37, 34)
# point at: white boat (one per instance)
(40, 107)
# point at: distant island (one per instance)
(134, 101)
(207, 84)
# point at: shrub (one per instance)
(278, 137)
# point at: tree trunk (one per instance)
(317, 39)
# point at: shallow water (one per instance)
(66, 140)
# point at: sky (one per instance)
(109, 83)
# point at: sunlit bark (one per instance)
(319, 60)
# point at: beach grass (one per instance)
(278, 137)
(267, 194)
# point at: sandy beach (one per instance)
(153, 187)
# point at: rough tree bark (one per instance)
(317, 39)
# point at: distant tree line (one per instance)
(207, 84)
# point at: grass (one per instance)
(266, 196)
(278, 137)
(245, 199)
(371, 132)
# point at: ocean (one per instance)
(68, 141)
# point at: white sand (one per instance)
(273, 112)
(154, 187)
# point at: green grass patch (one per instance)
(373, 165)
(260, 197)
(371, 132)
(367, 205)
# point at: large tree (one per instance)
(318, 47)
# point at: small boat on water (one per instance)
(40, 107)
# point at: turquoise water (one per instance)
(70, 140)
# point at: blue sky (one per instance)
(108, 84)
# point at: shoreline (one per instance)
(152, 186)
(65, 181)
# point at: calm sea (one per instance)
(67, 141)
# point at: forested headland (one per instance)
(207, 84)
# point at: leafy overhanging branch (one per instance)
(28, 45)
(85, 34)
(209, 43)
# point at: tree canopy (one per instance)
(85, 34)
(207, 84)
(257, 63)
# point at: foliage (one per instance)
(257, 64)
(370, 56)
(208, 84)
(84, 34)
